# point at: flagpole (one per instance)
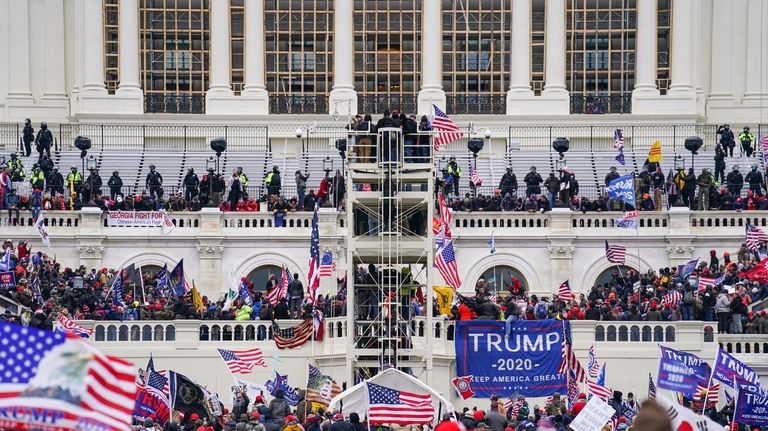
(709, 384)
(735, 402)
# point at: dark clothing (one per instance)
(43, 142)
(115, 184)
(154, 183)
(735, 183)
(532, 182)
(281, 310)
(27, 137)
(341, 426)
(610, 177)
(508, 184)
(755, 180)
(191, 186)
(279, 409)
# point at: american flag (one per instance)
(327, 265)
(445, 262)
(445, 216)
(313, 279)
(651, 388)
(564, 291)
(712, 394)
(672, 298)
(280, 290)
(615, 253)
(573, 389)
(390, 406)
(474, 177)
(242, 361)
(5, 261)
(158, 384)
(705, 282)
(755, 236)
(295, 336)
(569, 359)
(447, 130)
(515, 407)
(321, 388)
(598, 390)
(164, 373)
(592, 366)
(91, 387)
(69, 326)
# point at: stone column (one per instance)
(128, 39)
(54, 86)
(721, 87)
(219, 58)
(646, 48)
(756, 93)
(682, 48)
(255, 90)
(555, 49)
(520, 56)
(431, 58)
(343, 97)
(93, 53)
(18, 26)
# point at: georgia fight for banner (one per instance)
(525, 363)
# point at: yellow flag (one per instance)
(654, 156)
(197, 302)
(444, 296)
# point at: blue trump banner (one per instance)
(726, 367)
(751, 405)
(682, 371)
(527, 362)
(623, 188)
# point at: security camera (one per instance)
(488, 134)
(299, 132)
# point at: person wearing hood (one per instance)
(279, 408)
(565, 185)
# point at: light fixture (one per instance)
(91, 163)
(443, 164)
(327, 164)
(210, 164)
(679, 163)
(310, 128)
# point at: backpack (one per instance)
(688, 298)
(541, 311)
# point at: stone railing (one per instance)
(744, 343)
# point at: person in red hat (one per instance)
(579, 405)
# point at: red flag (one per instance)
(760, 272)
(463, 386)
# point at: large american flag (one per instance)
(242, 361)
(592, 366)
(615, 253)
(755, 236)
(163, 373)
(445, 262)
(313, 278)
(564, 291)
(447, 130)
(569, 361)
(88, 386)
(295, 336)
(573, 389)
(69, 326)
(158, 384)
(327, 265)
(705, 282)
(390, 406)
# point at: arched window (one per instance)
(606, 276)
(499, 277)
(260, 275)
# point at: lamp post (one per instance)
(475, 145)
(327, 165)
(210, 167)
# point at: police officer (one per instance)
(746, 138)
(37, 179)
(242, 177)
(55, 183)
(719, 164)
(28, 135)
(611, 176)
(191, 185)
(755, 180)
(46, 164)
(508, 183)
(115, 184)
(94, 183)
(726, 139)
(532, 182)
(735, 182)
(16, 169)
(454, 171)
(44, 140)
(74, 180)
(273, 182)
(154, 182)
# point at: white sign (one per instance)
(594, 416)
(140, 219)
(250, 388)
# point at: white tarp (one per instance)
(355, 399)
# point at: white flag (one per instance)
(681, 415)
(42, 230)
(167, 224)
(231, 296)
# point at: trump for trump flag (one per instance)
(59, 381)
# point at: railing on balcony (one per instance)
(476, 104)
(744, 343)
(174, 104)
(378, 103)
(600, 104)
(298, 104)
